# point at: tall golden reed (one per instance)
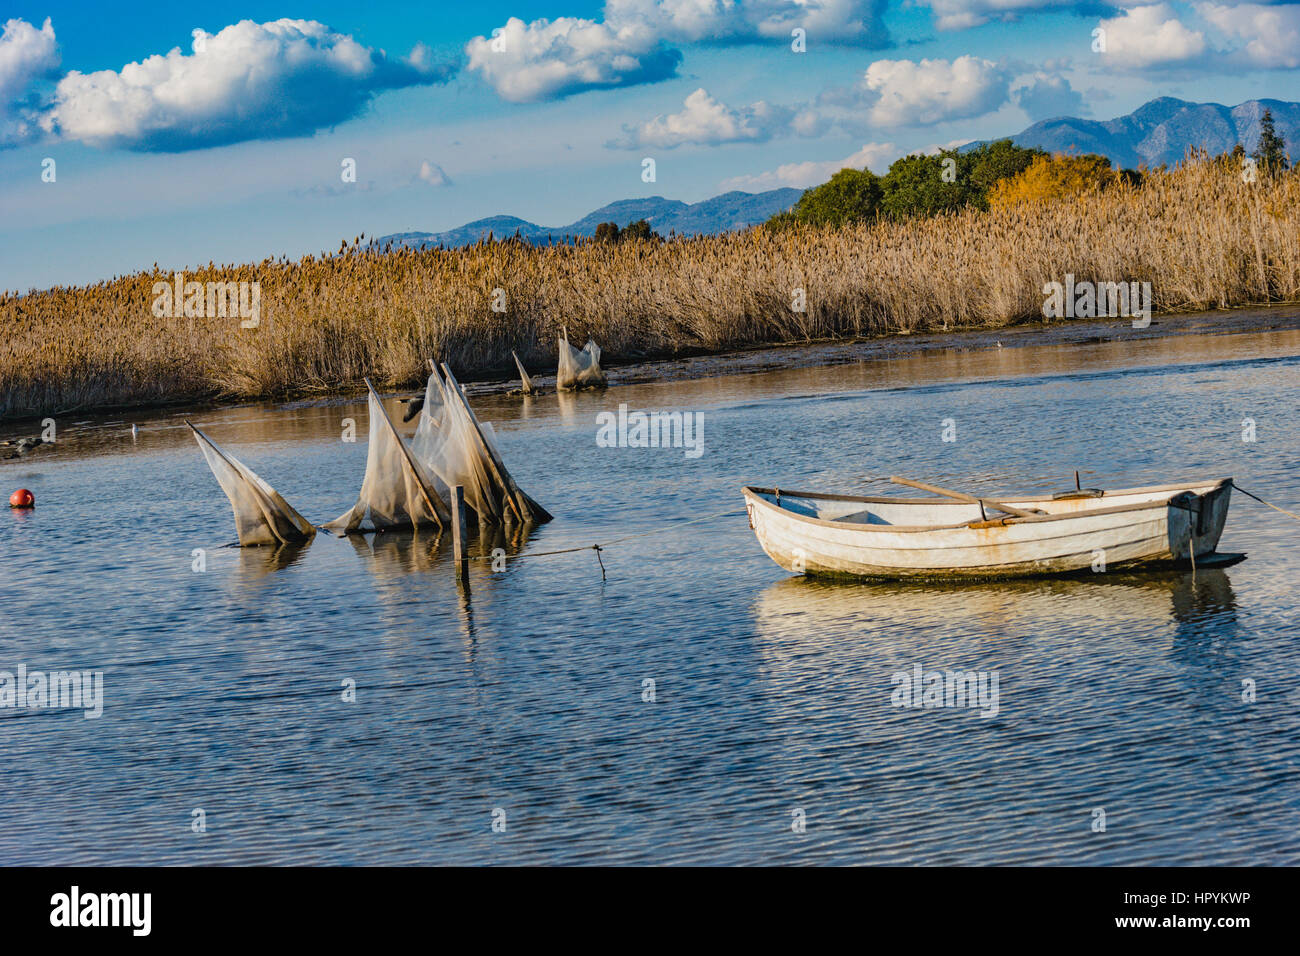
(1199, 234)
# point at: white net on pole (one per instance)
(514, 501)
(526, 381)
(445, 443)
(461, 450)
(398, 491)
(261, 515)
(578, 369)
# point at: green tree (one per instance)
(990, 163)
(639, 230)
(852, 195)
(1271, 151)
(925, 185)
(607, 232)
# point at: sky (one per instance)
(180, 134)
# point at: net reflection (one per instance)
(392, 557)
(256, 563)
(401, 551)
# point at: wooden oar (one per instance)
(962, 496)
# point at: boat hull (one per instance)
(1136, 526)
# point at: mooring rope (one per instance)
(600, 547)
(1289, 514)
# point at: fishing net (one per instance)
(261, 515)
(579, 369)
(520, 504)
(398, 489)
(447, 444)
(406, 484)
(526, 381)
(454, 445)
(529, 510)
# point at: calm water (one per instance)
(223, 689)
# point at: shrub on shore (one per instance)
(851, 196)
(1200, 234)
(1052, 177)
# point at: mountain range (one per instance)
(1160, 131)
(725, 213)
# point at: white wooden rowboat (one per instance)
(892, 537)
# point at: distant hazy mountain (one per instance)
(730, 211)
(1161, 131)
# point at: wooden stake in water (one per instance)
(458, 533)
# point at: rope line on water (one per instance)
(1289, 514)
(600, 547)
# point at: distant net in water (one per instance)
(526, 382)
(579, 369)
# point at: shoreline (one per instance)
(775, 356)
(831, 352)
(807, 294)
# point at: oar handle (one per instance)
(961, 496)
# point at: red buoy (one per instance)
(22, 498)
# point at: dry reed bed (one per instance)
(1200, 235)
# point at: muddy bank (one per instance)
(843, 352)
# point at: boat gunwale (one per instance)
(754, 493)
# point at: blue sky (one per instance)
(231, 147)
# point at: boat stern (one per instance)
(1196, 520)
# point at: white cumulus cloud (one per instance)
(1046, 95)
(1272, 33)
(705, 121)
(832, 22)
(433, 174)
(1150, 36)
(248, 81)
(813, 173)
(545, 59)
(637, 41)
(890, 93)
(27, 55)
(962, 14)
(910, 93)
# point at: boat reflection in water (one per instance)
(1102, 688)
(1014, 622)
